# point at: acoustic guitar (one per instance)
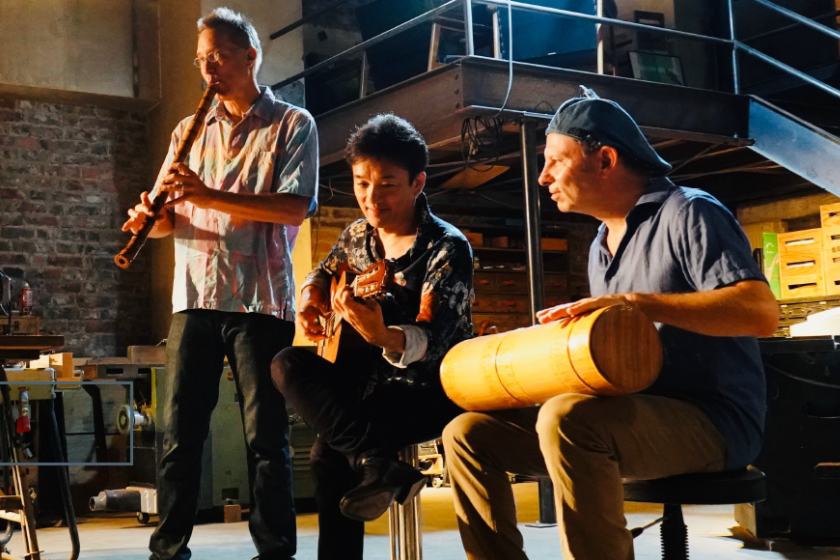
(373, 283)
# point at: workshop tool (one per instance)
(18, 507)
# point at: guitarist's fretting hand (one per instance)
(366, 318)
(313, 305)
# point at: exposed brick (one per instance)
(9, 193)
(16, 233)
(67, 174)
(54, 260)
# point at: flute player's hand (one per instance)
(137, 217)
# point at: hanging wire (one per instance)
(510, 59)
(479, 149)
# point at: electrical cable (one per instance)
(510, 59)
(477, 151)
(802, 379)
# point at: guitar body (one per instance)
(373, 283)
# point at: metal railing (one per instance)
(732, 42)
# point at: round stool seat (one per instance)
(729, 487)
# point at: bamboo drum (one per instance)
(611, 351)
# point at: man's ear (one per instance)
(252, 56)
(418, 183)
(608, 160)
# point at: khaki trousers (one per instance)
(586, 445)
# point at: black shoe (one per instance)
(384, 481)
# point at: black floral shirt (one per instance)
(433, 289)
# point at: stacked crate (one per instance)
(830, 220)
(801, 264)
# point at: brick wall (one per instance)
(67, 175)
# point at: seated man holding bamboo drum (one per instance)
(380, 396)
(678, 256)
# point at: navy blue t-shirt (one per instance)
(682, 240)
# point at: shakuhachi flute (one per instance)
(125, 257)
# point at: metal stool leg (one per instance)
(404, 520)
(674, 534)
(64, 482)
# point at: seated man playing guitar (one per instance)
(377, 399)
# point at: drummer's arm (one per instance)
(745, 308)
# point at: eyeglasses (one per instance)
(214, 56)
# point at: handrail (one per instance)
(736, 81)
(369, 43)
(800, 18)
(829, 15)
(306, 19)
(732, 42)
(789, 69)
(609, 21)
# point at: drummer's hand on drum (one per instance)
(313, 306)
(580, 307)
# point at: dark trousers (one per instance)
(350, 426)
(198, 342)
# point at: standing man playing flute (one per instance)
(249, 182)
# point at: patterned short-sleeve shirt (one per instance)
(433, 288)
(230, 264)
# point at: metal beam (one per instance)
(528, 142)
(541, 89)
(437, 103)
(428, 101)
(795, 144)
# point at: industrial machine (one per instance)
(224, 472)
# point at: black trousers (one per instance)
(198, 342)
(351, 425)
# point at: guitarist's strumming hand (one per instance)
(313, 305)
(366, 318)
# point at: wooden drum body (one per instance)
(611, 351)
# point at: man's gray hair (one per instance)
(240, 31)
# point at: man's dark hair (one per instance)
(239, 30)
(391, 138)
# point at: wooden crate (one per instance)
(801, 264)
(831, 259)
(22, 324)
(475, 239)
(754, 231)
(830, 215)
(554, 244)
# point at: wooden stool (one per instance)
(732, 487)
(404, 520)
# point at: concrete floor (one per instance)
(710, 536)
